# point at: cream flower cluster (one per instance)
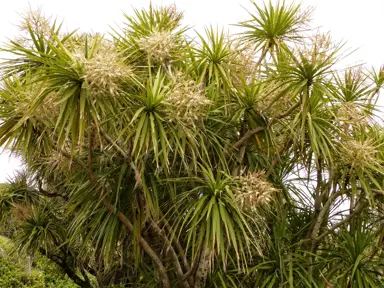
(349, 113)
(254, 190)
(37, 22)
(187, 100)
(317, 49)
(359, 154)
(158, 46)
(242, 62)
(105, 71)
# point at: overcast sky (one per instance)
(357, 22)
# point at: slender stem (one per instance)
(262, 56)
(247, 136)
(176, 243)
(203, 267)
(171, 251)
(322, 214)
(143, 243)
(358, 210)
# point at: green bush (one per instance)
(12, 275)
(53, 276)
(44, 274)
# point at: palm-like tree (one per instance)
(216, 162)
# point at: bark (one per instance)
(151, 253)
(322, 214)
(203, 268)
(247, 136)
(143, 243)
(85, 276)
(161, 233)
(322, 208)
(176, 243)
(359, 208)
(318, 200)
(171, 252)
(71, 274)
(262, 56)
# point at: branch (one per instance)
(285, 114)
(157, 229)
(52, 195)
(144, 244)
(341, 223)
(262, 56)
(179, 272)
(322, 213)
(193, 269)
(176, 242)
(64, 265)
(127, 223)
(247, 136)
(49, 194)
(171, 251)
(252, 132)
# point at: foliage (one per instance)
(157, 160)
(44, 274)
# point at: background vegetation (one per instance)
(18, 270)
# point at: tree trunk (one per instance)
(29, 263)
(171, 252)
(163, 276)
(203, 268)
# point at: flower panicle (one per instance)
(254, 190)
(187, 100)
(349, 113)
(359, 154)
(105, 71)
(158, 46)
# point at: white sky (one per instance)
(355, 21)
